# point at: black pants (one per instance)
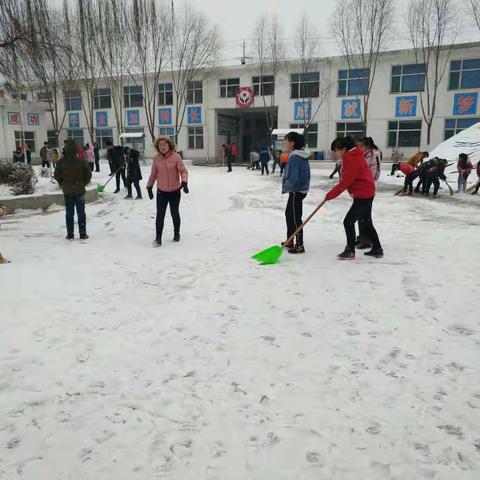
(282, 168)
(361, 211)
(293, 215)
(97, 164)
(45, 163)
(430, 179)
(72, 203)
(164, 199)
(229, 162)
(275, 163)
(409, 181)
(136, 184)
(119, 174)
(421, 182)
(265, 167)
(92, 166)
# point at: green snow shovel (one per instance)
(272, 254)
(101, 188)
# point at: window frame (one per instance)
(30, 142)
(195, 138)
(355, 133)
(128, 96)
(310, 134)
(260, 85)
(97, 98)
(398, 130)
(348, 78)
(228, 86)
(299, 84)
(460, 73)
(74, 137)
(457, 129)
(195, 92)
(167, 131)
(101, 139)
(165, 94)
(402, 75)
(52, 139)
(68, 99)
(45, 97)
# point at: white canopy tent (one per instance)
(467, 141)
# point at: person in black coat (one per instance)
(117, 162)
(96, 152)
(134, 172)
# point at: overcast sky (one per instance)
(236, 20)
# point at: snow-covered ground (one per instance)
(190, 361)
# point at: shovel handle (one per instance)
(292, 236)
(113, 174)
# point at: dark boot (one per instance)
(347, 254)
(176, 237)
(297, 249)
(375, 253)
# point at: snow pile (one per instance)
(190, 361)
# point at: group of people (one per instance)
(359, 165)
(21, 153)
(260, 158)
(429, 172)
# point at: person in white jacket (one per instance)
(373, 157)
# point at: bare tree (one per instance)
(363, 28)
(113, 50)
(149, 32)
(312, 89)
(13, 26)
(475, 11)
(47, 66)
(431, 24)
(269, 56)
(85, 59)
(193, 49)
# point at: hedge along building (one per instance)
(329, 100)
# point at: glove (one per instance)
(185, 187)
(150, 192)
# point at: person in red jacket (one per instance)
(357, 179)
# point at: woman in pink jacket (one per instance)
(171, 176)
(90, 153)
(372, 155)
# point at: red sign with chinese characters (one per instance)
(13, 118)
(33, 119)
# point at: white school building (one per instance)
(216, 115)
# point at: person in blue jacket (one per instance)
(296, 182)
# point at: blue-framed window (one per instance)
(102, 98)
(165, 94)
(406, 133)
(103, 135)
(305, 85)
(77, 135)
(408, 78)
(464, 74)
(195, 92)
(73, 100)
(168, 132)
(352, 129)
(456, 125)
(353, 82)
(195, 138)
(311, 133)
(133, 96)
